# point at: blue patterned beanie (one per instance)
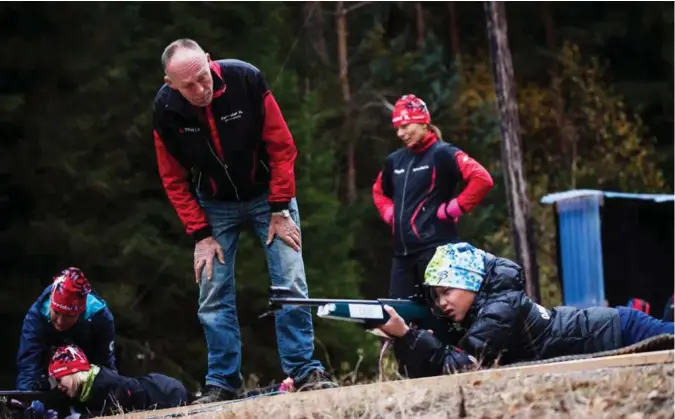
(456, 265)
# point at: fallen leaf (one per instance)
(563, 406)
(529, 397)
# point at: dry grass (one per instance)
(632, 386)
(617, 393)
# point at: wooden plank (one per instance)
(318, 399)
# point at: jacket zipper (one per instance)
(236, 192)
(264, 165)
(421, 207)
(405, 183)
(199, 181)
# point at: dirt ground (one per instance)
(616, 393)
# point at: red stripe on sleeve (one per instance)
(282, 152)
(479, 182)
(382, 202)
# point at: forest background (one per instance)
(79, 183)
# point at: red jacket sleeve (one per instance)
(479, 182)
(282, 152)
(382, 202)
(176, 184)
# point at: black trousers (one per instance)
(407, 273)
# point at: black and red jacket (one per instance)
(416, 182)
(112, 393)
(235, 149)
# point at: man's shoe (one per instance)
(316, 380)
(212, 394)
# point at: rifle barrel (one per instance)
(395, 301)
(317, 301)
(19, 393)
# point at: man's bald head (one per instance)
(186, 66)
(179, 45)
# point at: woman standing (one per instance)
(415, 193)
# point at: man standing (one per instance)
(226, 157)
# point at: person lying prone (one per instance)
(485, 295)
(102, 391)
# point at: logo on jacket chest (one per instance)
(232, 116)
(189, 130)
(414, 169)
(225, 119)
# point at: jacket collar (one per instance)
(219, 85)
(501, 276)
(424, 144)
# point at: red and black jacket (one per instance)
(235, 149)
(416, 182)
(111, 392)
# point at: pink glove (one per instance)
(389, 215)
(449, 210)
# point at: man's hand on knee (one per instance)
(286, 229)
(205, 251)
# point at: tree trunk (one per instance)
(312, 14)
(547, 17)
(341, 16)
(456, 56)
(454, 31)
(512, 159)
(419, 18)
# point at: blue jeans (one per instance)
(217, 310)
(637, 326)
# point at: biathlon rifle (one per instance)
(369, 313)
(14, 402)
(23, 396)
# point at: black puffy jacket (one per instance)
(111, 392)
(505, 325)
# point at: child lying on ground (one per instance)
(485, 295)
(101, 391)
